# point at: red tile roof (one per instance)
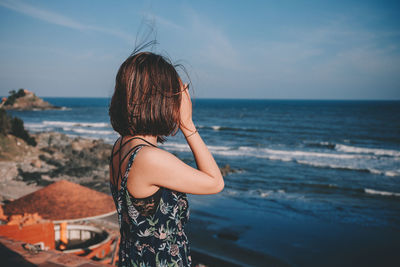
(61, 201)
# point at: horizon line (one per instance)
(243, 98)
(240, 98)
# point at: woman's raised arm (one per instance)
(161, 168)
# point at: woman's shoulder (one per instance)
(158, 166)
(154, 156)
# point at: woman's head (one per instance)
(147, 97)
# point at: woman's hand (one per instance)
(186, 123)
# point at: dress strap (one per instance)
(135, 150)
(126, 142)
(114, 181)
(118, 152)
(144, 140)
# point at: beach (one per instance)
(309, 183)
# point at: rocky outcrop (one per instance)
(228, 170)
(56, 157)
(25, 100)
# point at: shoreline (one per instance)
(46, 163)
(222, 230)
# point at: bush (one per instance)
(13, 96)
(20, 93)
(4, 122)
(18, 130)
(14, 126)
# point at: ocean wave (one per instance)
(350, 168)
(382, 193)
(183, 147)
(328, 145)
(178, 147)
(34, 125)
(365, 150)
(267, 193)
(234, 129)
(319, 185)
(259, 193)
(88, 131)
(291, 154)
(354, 149)
(392, 173)
(330, 160)
(75, 124)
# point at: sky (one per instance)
(231, 49)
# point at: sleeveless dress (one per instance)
(152, 228)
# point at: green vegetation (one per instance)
(5, 122)
(14, 126)
(13, 96)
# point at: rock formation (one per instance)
(25, 100)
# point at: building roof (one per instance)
(63, 201)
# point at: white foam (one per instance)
(290, 154)
(219, 148)
(216, 127)
(392, 173)
(268, 193)
(185, 148)
(364, 150)
(177, 147)
(74, 124)
(382, 193)
(34, 125)
(375, 171)
(265, 194)
(88, 131)
(324, 143)
(230, 192)
(348, 167)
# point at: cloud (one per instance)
(337, 59)
(202, 40)
(61, 20)
(215, 46)
(341, 57)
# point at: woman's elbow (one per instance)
(219, 186)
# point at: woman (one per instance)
(149, 184)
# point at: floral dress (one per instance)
(152, 228)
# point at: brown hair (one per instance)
(147, 97)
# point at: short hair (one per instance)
(147, 97)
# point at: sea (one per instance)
(314, 181)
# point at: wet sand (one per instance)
(262, 237)
(210, 249)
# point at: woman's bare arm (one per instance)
(157, 167)
(204, 160)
